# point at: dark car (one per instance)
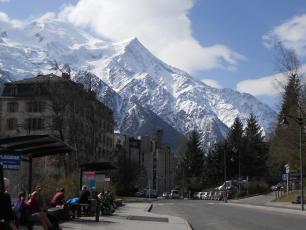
(139, 194)
(150, 193)
(277, 187)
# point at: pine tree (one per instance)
(235, 147)
(192, 163)
(213, 173)
(255, 149)
(193, 158)
(285, 143)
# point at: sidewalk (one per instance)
(264, 202)
(267, 201)
(132, 216)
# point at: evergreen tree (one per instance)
(235, 147)
(213, 173)
(284, 146)
(255, 149)
(192, 162)
(285, 142)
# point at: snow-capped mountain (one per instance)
(143, 91)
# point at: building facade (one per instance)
(152, 155)
(49, 104)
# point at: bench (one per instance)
(298, 200)
(118, 202)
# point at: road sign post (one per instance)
(10, 161)
(287, 172)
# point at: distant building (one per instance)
(48, 104)
(153, 156)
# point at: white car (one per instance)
(174, 194)
(204, 195)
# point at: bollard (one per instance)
(97, 211)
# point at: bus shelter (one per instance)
(94, 173)
(13, 150)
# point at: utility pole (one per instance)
(225, 187)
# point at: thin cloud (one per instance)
(6, 1)
(6, 21)
(212, 83)
(268, 85)
(162, 26)
(291, 33)
(265, 86)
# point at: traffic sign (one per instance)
(10, 161)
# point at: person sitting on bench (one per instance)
(22, 212)
(6, 212)
(84, 198)
(37, 212)
(58, 198)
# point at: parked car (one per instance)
(215, 195)
(210, 195)
(166, 195)
(200, 195)
(150, 193)
(139, 194)
(174, 194)
(195, 195)
(204, 195)
(219, 195)
(278, 187)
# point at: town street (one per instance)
(202, 215)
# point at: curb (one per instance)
(269, 208)
(149, 208)
(189, 226)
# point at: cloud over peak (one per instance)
(291, 33)
(162, 26)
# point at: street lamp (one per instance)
(225, 187)
(235, 150)
(300, 121)
(224, 157)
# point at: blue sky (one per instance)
(223, 40)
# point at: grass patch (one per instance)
(288, 197)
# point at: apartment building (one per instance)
(49, 104)
(153, 156)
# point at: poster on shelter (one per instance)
(89, 178)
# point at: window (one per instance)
(12, 107)
(35, 106)
(13, 90)
(11, 123)
(34, 123)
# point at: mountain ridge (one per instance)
(131, 77)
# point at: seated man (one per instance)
(6, 212)
(58, 198)
(84, 198)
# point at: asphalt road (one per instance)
(213, 215)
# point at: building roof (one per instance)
(39, 79)
(97, 166)
(34, 145)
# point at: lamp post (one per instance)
(300, 121)
(225, 187)
(235, 150)
(225, 168)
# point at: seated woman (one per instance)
(37, 213)
(22, 212)
(58, 198)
